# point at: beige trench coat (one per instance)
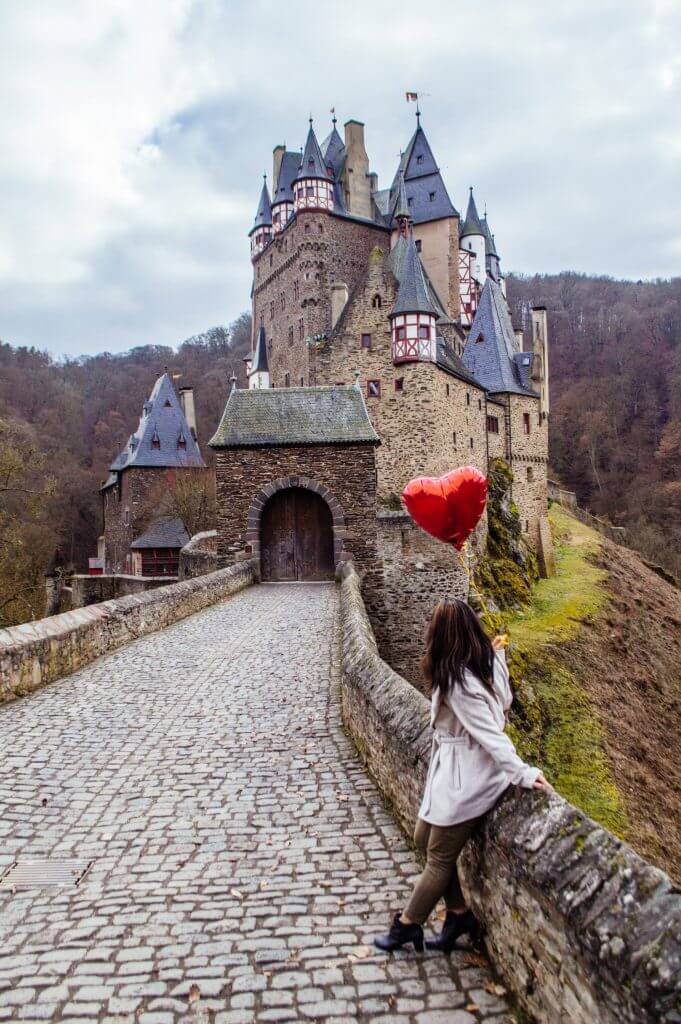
(472, 759)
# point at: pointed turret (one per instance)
(402, 214)
(414, 314)
(490, 353)
(261, 232)
(282, 199)
(312, 185)
(430, 200)
(333, 151)
(491, 255)
(472, 237)
(259, 371)
(163, 436)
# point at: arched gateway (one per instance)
(296, 537)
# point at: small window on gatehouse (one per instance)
(366, 341)
(399, 384)
(376, 302)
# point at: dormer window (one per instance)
(410, 201)
(310, 162)
(167, 404)
(479, 339)
(181, 441)
(431, 197)
(155, 441)
(419, 158)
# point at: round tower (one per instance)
(472, 237)
(261, 232)
(312, 185)
(413, 317)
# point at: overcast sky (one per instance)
(133, 138)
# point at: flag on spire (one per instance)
(412, 97)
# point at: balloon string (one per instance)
(464, 562)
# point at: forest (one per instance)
(615, 425)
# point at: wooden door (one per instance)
(296, 537)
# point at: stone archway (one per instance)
(255, 514)
(296, 537)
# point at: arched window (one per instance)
(376, 302)
(307, 229)
(321, 229)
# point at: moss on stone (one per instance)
(553, 722)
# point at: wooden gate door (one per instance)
(296, 537)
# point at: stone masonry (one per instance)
(240, 858)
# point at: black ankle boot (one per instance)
(399, 935)
(454, 926)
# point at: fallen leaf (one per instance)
(236, 892)
(194, 993)
(494, 989)
(472, 1007)
(473, 960)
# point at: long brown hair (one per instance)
(456, 641)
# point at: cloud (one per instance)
(134, 137)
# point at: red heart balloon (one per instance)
(450, 506)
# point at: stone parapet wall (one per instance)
(86, 590)
(581, 928)
(37, 653)
(199, 556)
(617, 534)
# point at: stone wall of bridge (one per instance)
(36, 653)
(580, 927)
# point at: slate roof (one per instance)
(413, 295)
(161, 418)
(291, 416)
(401, 205)
(492, 360)
(263, 215)
(422, 179)
(259, 362)
(490, 248)
(163, 533)
(333, 151)
(472, 224)
(448, 360)
(283, 193)
(397, 261)
(312, 164)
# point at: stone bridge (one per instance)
(225, 856)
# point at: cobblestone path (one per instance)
(241, 858)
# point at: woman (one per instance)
(472, 762)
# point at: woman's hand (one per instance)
(500, 642)
(541, 783)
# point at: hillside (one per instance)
(615, 426)
(596, 664)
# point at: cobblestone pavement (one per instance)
(241, 858)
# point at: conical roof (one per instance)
(263, 216)
(413, 295)
(162, 424)
(471, 225)
(490, 352)
(401, 206)
(490, 248)
(287, 172)
(333, 151)
(312, 164)
(430, 199)
(259, 361)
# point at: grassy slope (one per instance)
(555, 723)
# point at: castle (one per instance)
(387, 285)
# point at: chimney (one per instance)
(357, 187)
(339, 298)
(277, 157)
(187, 403)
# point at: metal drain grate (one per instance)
(37, 874)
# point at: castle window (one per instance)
(376, 302)
(287, 380)
(399, 384)
(272, 310)
(277, 218)
(167, 404)
(301, 328)
(480, 403)
(479, 339)
(283, 301)
(302, 382)
(290, 335)
(295, 289)
(527, 526)
(454, 438)
(307, 229)
(410, 201)
(493, 424)
(468, 398)
(471, 440)
(431, 197)
(424, 331)
(419, 158)
(418, 245)
(320, 228)
(530, 474)
(156, 441)
(373, 389)
(340, 384)
(526, 423)
(309, 191)
(366, 341)
(401, 333)
(271, 258)
(262, 318)
(181, 442)
(447, 389)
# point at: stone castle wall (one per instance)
(527, 455)
(37, 653)
(199, 555)
(125, 510)
(579, 927)
(292, 297)
(344, 474)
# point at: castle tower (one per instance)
(258, 370)
(285, 169)
(473, 239)
(413, 316)
(401, 215)
(312, 185)
(491, 256)
(356, 171)
(261, 232)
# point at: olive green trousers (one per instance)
(442, 845)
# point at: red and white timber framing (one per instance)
(414, 338)
(468, 288)
(313, 194)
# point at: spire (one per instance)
(263, 216)
(472, 225)
(490, 248)
(490, 352)
(413, 295)
(402, 206)
(312, 164)
(259, 362)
